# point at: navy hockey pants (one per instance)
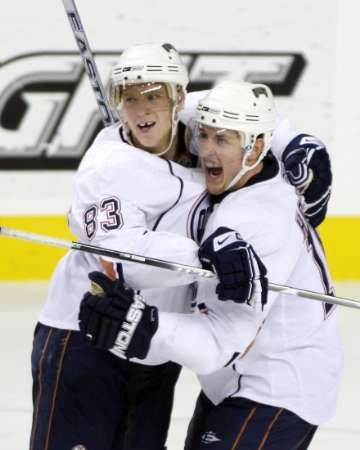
(88, 399)
(241, 424)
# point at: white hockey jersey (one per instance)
(286, 355)
(120, 196)
(124, 198)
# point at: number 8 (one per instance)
(90, 221)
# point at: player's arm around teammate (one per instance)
(125, 197)
(255, 339)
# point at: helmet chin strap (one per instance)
(245, 168)
(174, 122)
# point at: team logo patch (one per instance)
(209, 438)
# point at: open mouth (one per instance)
(145, 126)
(214, 172)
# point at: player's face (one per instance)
(221, 156)
(147, 109)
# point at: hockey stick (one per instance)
(89, 62)
(123, 256)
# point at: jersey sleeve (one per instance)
(115, 206)
(191, 102)
(198, 341)
(208, 341)
(283, 134)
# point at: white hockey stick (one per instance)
(123, 256)
(89, 62)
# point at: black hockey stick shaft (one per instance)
(131, 257)
(89, 62)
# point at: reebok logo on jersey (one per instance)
(128, 327)
(209, 438)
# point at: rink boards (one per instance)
(27, 261)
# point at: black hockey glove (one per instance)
(236, 264)
(307, 167)
(112, 316)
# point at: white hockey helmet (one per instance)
(150, 63)
(244, 107)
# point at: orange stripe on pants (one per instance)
(66, 340)
(277, 415)
(37, 402)
(242, 429)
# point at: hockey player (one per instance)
(268, 363)
(126, 188)
(128, 195)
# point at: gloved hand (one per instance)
(113, 316)
(307, 167)
(236, 264)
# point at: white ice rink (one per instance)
(19, 307)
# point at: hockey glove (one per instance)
(113, 316)
(236, 264)
(307, 167)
